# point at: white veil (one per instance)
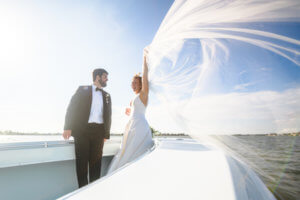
(232, 67)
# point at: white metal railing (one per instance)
(27, 145)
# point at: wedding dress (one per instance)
(137, 138)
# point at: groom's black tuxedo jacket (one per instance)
(78, 111)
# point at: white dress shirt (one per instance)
(96, 114)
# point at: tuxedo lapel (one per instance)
(90, 98)
(104, 103)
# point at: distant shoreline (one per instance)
(156, 134)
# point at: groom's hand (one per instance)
(104, 140)
(67, 134)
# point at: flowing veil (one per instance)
(233, 67)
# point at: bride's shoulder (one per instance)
(144, 98)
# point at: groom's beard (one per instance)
(103, 84)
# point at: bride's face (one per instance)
(136, 86)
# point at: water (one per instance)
(278, 157)
(276, 160)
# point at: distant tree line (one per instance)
(155, 133)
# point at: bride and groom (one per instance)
(88, 120)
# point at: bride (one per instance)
(137, 138)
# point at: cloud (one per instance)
(233, 113)
(242, 86)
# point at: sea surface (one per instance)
(275, 158)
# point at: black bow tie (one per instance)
(98, 89)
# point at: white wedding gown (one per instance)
(137, 138)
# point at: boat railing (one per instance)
(30, 145)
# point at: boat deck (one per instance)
(177, 169)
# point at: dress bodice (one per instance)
(138, 109)
(137, 138)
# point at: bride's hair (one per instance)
(138, 77)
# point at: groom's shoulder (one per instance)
(83, 88)
(105, 92)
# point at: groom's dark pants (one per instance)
(88, 151)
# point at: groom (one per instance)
(88, 120)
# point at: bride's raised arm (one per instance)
(145, 84)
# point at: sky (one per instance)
(49, 48)
(235, 78)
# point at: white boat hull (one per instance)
(42, 170)
(179, 169)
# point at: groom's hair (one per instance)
(98, 72)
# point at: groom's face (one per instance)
(103, 79)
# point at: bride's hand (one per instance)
(145, 53)
(127, 111)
